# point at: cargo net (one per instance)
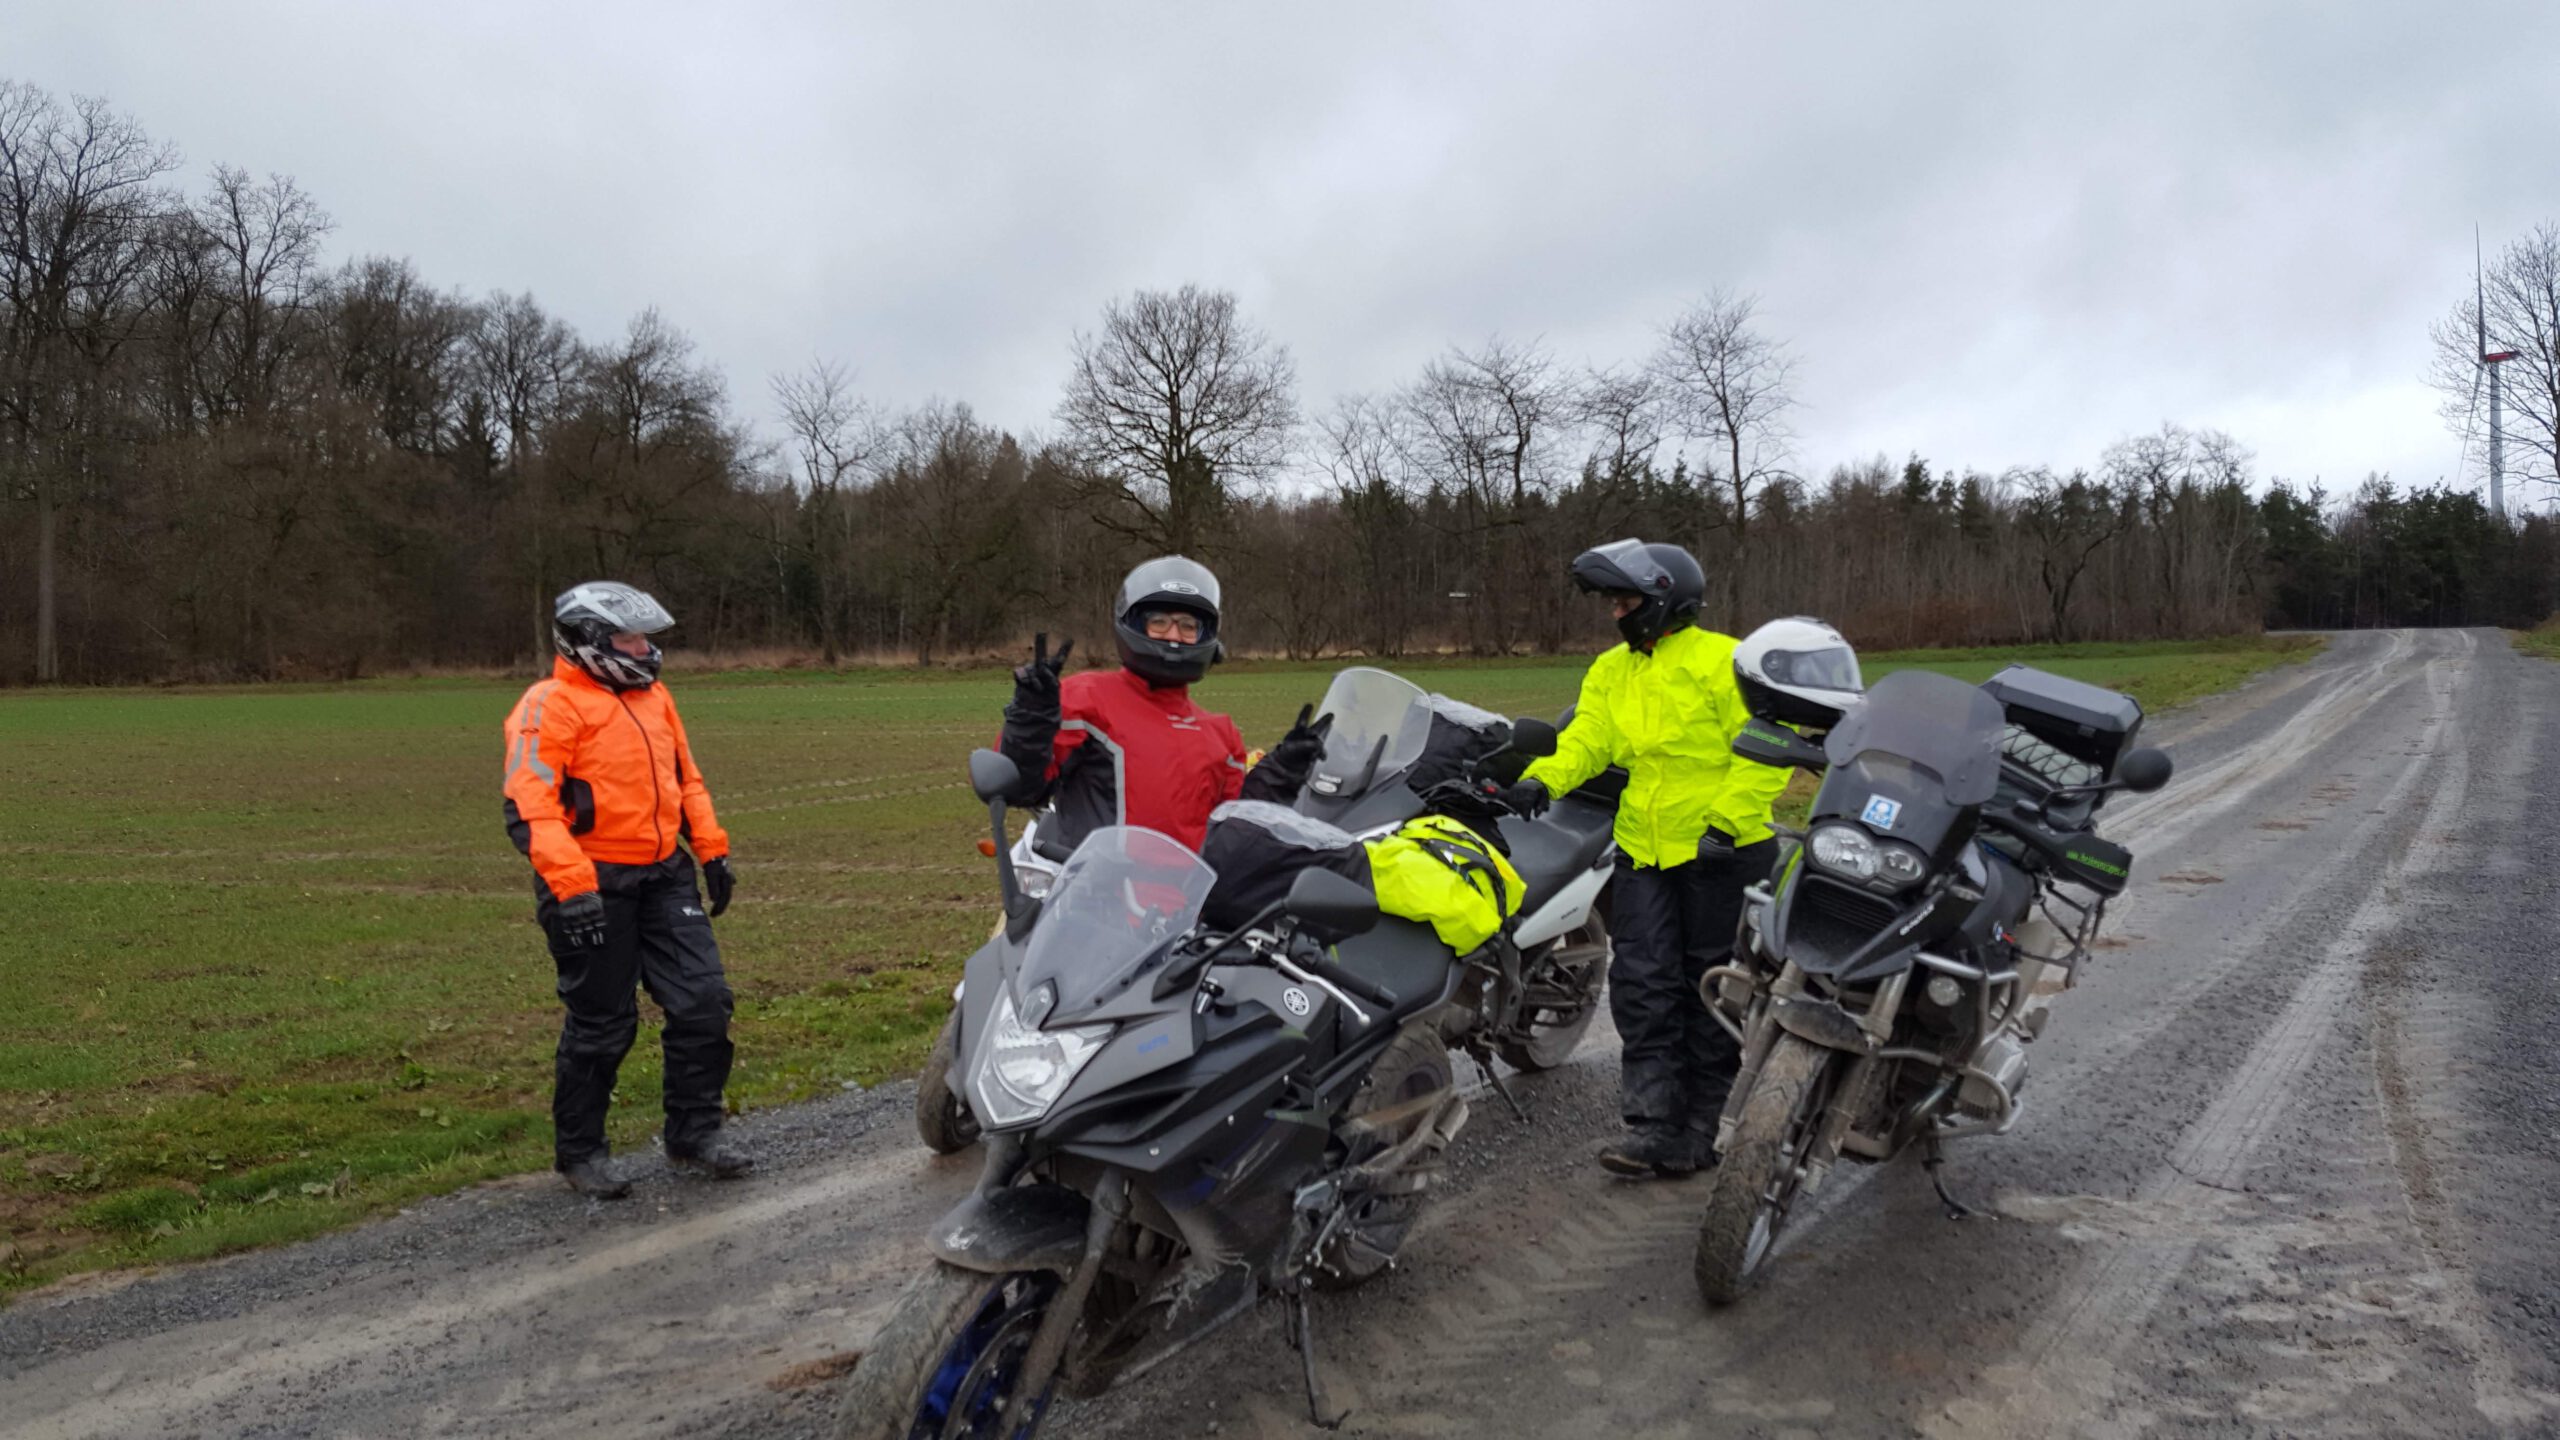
(2023, 749)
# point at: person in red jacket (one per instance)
(1128, 746)
(601, 787)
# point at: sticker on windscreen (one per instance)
(1881, 812)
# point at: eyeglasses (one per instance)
(1172, 625)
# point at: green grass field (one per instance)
(2542, 640)
(271, 967)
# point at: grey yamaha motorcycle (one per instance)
(1889, 979)
(1180, 1119)
(1395, 752)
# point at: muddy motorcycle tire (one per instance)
(1757, 1180)
(1550, 1043)
(1414, 1064)
(951, 1320)
(943, 1120)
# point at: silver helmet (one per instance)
(1167, 583)
(585, 619)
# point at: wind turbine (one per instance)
(2487, 369)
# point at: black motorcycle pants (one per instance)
(657, 937)
(1667, 927)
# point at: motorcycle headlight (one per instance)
(1900, 863)
(1022, 1069)
(1035, 880)
(1848, 850)
(1845, 850)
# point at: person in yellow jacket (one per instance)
(601, 788)
(1692, 830)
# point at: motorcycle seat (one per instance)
(1551, 851)
(1405, 957)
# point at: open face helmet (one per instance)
(1798, 671)
(1168, 583)
(585, 619)
(1665, 579)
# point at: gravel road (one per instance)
(2290, 1165)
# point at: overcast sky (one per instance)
(1993, 234)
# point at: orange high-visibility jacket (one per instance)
(599, 775)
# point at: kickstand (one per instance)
(1302, 1332)
(1931, 1160)
(1500, 1086)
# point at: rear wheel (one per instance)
(1564, 985)
(949, 1361)
(1414, 1066)
(943, 1120)
(1763, 1168)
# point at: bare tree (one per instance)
(831, 434)
(522, 364)
(1730, 385)
(1172, 404)
(2521, 293)
(1489, 423)
(2069, 521)
(1620, 411)
(78, 199)
(265, 241)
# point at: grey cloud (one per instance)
(1994, 233)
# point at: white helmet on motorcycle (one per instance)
(1798, 671)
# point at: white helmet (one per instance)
(1798, 671)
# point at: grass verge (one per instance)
(272, 968)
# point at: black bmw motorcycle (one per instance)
(1889, 979)
(1180, 1119)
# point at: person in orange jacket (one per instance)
(600, 788)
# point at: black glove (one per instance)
(1715, 846)
(1035, 686)
(719, 881)
(578, 922)
(1300, 749)
(1527, 798)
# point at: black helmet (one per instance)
(585, 619)
(1168, 583)
(1798, 671)
(1666, 577)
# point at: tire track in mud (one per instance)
(1595, 1237)
(2065, 1377)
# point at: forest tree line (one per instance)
(225, 455)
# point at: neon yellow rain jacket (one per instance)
(1670, 718)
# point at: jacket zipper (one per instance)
(657, 826)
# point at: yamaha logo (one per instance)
(1296, 1000)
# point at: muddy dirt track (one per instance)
(2290, 1166)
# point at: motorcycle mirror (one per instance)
(2144, 770)
(1777, 745)
(1533, 737)
(1335, 904)
(992, 775)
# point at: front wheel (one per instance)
(1564, 993)
(1763, 1169)
(949, 1361)
(1414, 1066)
(943, 1120)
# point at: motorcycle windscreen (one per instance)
(1935, 722)
(1125, 895)
(1380, 726)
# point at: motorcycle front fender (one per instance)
(1018, 1227)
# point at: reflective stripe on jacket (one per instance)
(599, 775)
(1669, 717)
